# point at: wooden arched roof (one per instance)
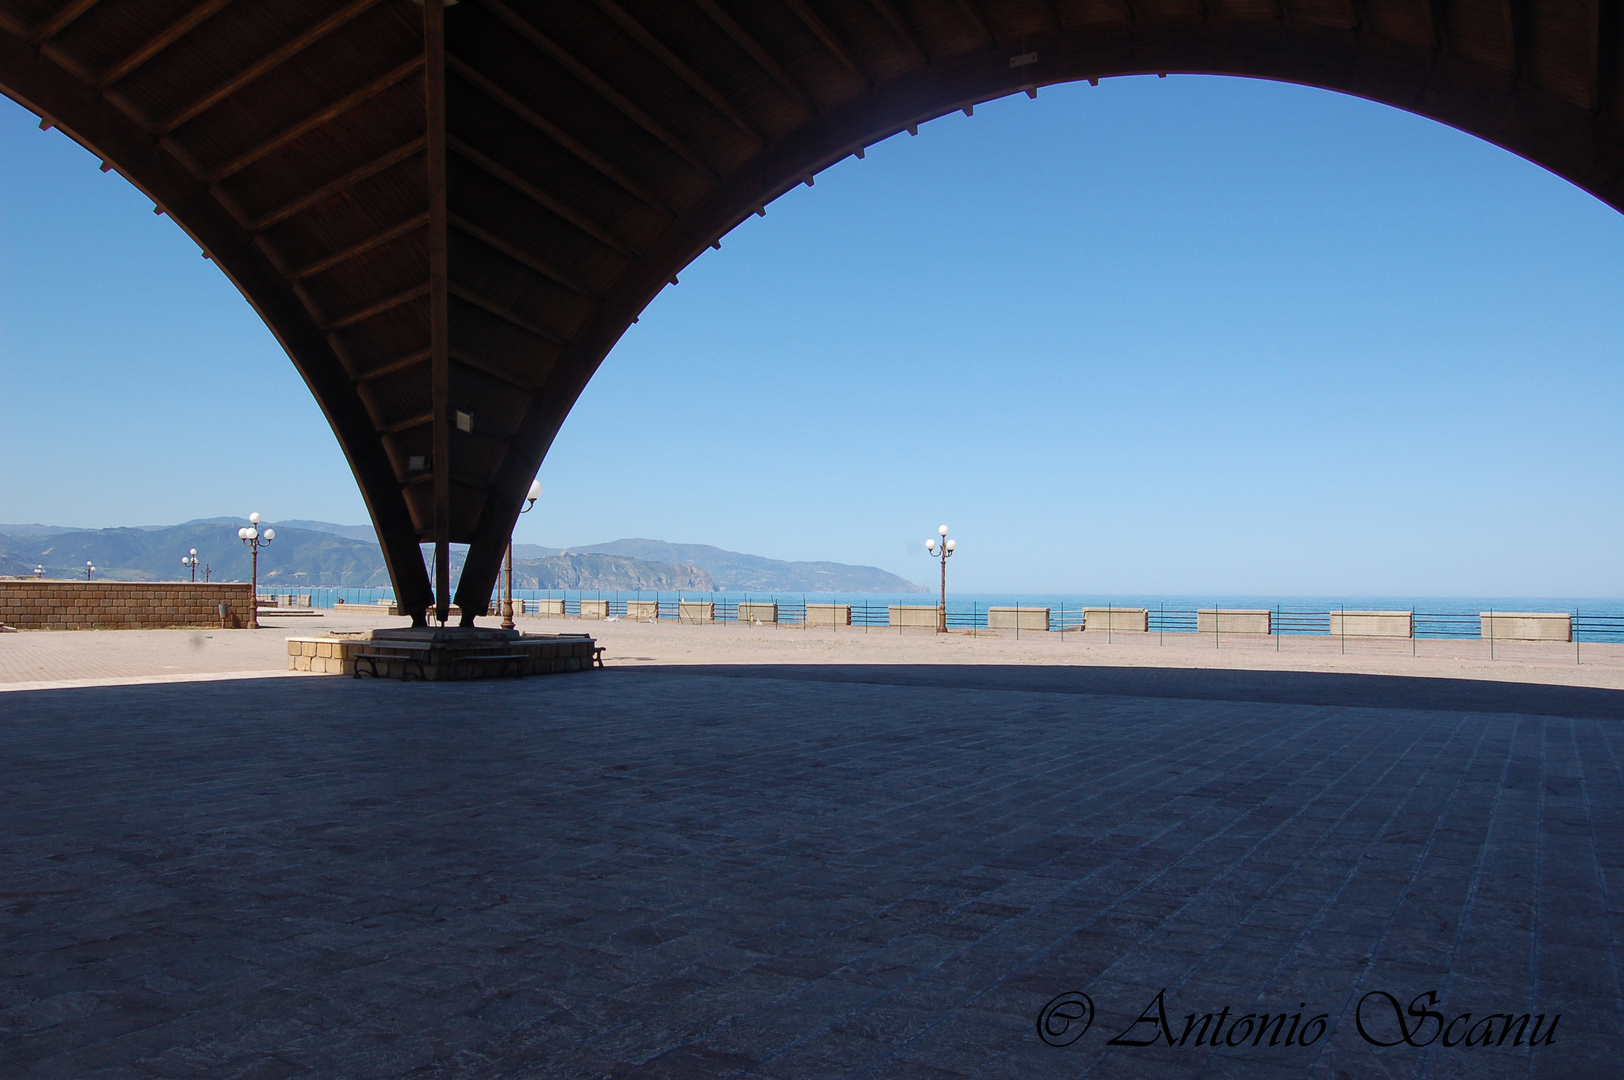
(449, 215)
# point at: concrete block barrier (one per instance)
(1233, 621)
(914, 615)
(1372, 624)
(696, 611)
(1018, 618)
(594, 609)
(1526, 625)
(1118, 620)
(754, 611)
(828, 614)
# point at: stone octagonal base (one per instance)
(439, 649)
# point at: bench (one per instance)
(371, 661)
(597, 656)
(502, 659)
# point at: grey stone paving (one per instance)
(670, 873)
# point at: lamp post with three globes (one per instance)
(507, 601)
(190, 562)
(943, 551)
(251, 536)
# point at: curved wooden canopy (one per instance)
(448, 216)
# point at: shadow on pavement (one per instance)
(1204, 684)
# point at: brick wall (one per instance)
(35, 604)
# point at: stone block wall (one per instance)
(43, 604)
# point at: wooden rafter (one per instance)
(280, 56)
(393, 366)
(1609, 31)
(415, 293)
(536, 195)
(506, 314)
(760, 55)
(485, 367)
(1511, 18)
(695, 81)
(1438, 25)
(316, 119)
(159, 42)
(420, 420)
(471, 75)
(891, 15)
(821, 31)
(975, 15)
(349, 179)
(601, 88)
(59, 22)
(522, 257)
(327, 262)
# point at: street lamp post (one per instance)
(507, 601)
(943, 551)
(190, 562)
(39, 570)
(254, 540)
(90, 571)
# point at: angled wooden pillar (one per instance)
(439, 330)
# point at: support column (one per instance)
(439, 331)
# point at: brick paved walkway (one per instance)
(687, 873)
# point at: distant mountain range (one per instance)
(310, 553)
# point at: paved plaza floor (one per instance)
(812, 871)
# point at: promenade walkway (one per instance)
(802, 870)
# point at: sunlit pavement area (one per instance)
(808, 871)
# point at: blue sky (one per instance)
(1159, 336)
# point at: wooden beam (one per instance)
(820, 29)
(974, 13)
(255, 70)
(1511, 18)
(563, 138)
(760, 55)
(349, 179)
(410, 225)
(59, 22)
(540, 197)
(315, 120)
(522, 257)
(154, 45)
(378, 308)
(393, 366)
(1609, 21)
(891, 15)
(439, 311)
(1438, 25)
(406, 425)
(485, 303)
(601, 88)
(695, 81)
(485, 367)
